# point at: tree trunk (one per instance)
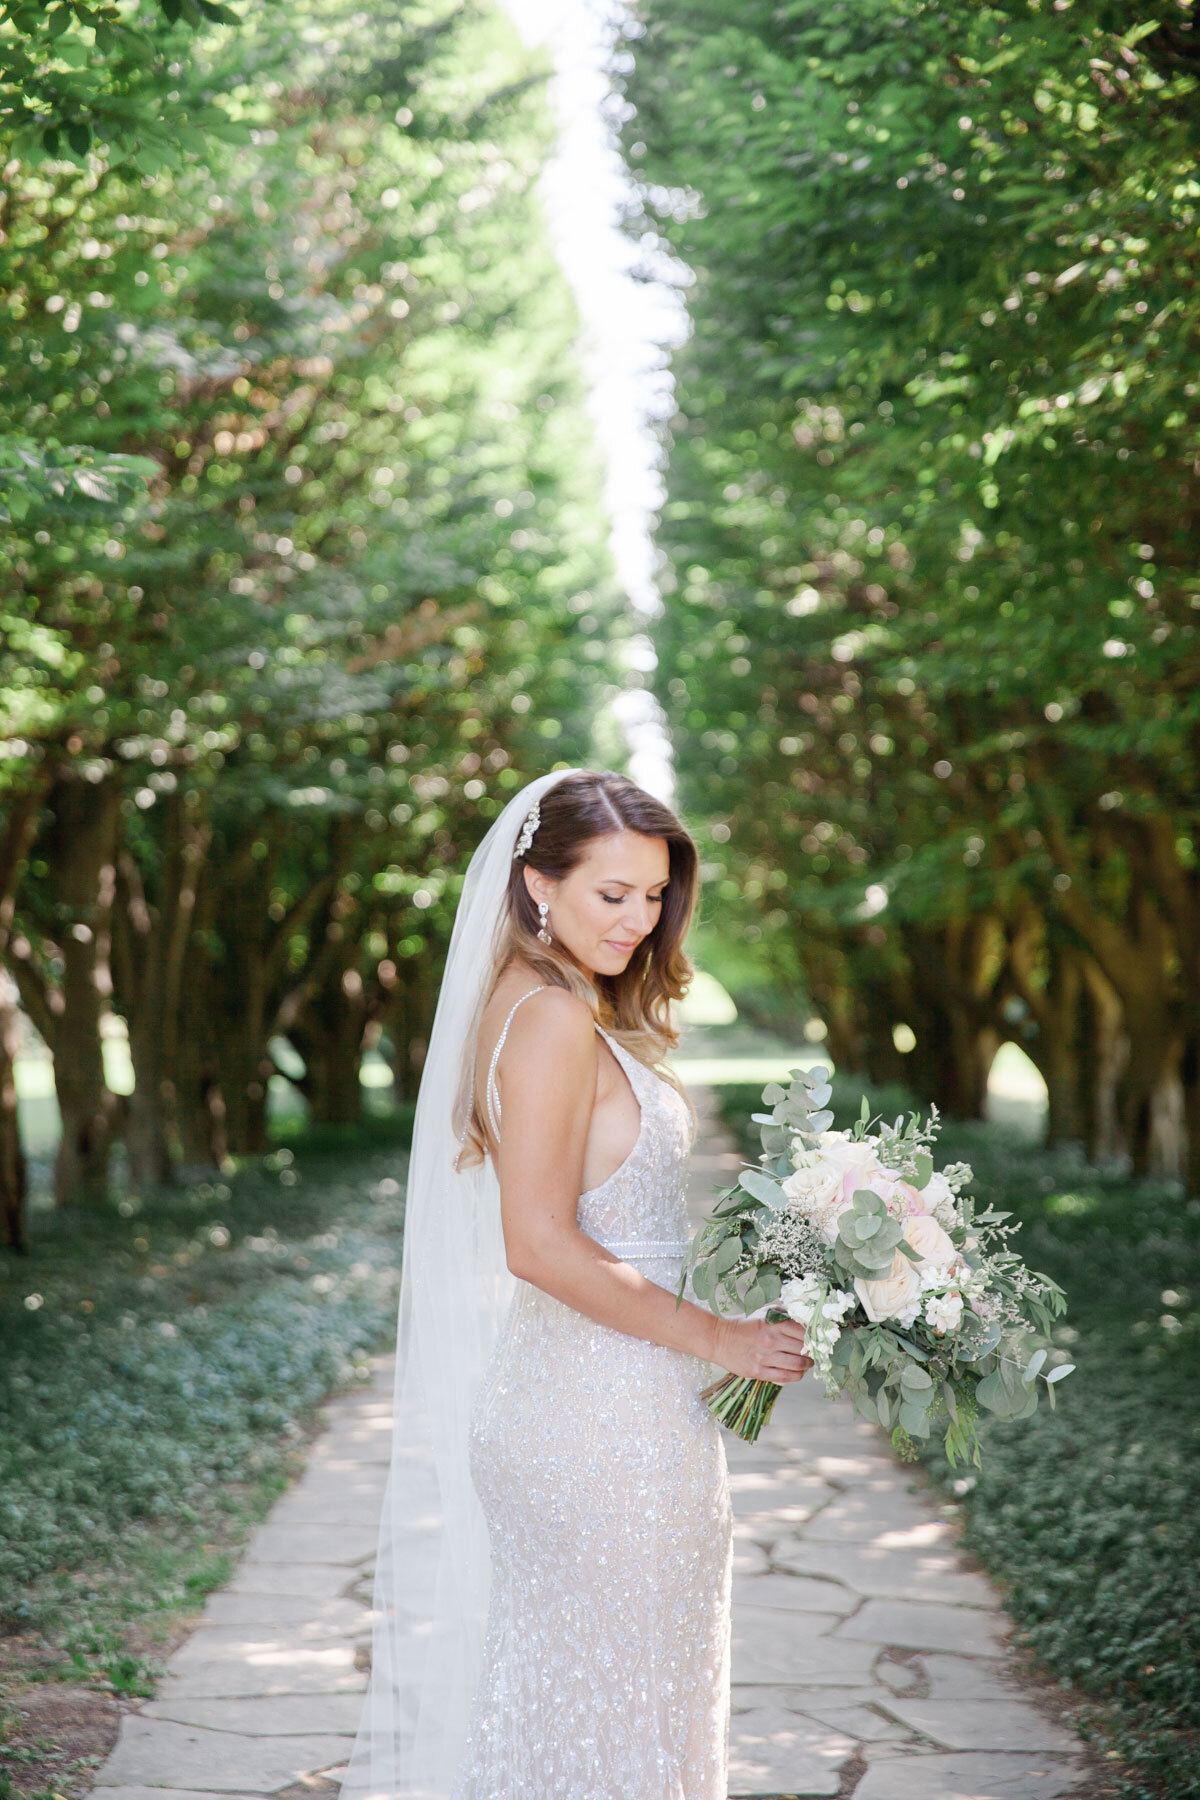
(13, 1180)
(955, 969)
(1189, 1075)
(1153, 1056)
(329, 1036)
(246, 1069)
(81, 847)
(1047, 975)
(1103, 1053)
(16, 834)
(408, 1021)
(152, 923)
(334, 1090)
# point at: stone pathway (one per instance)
(868, 1659)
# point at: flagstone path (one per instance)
(869, 1660)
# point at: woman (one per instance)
(558, 1412)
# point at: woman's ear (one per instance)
(537, 885)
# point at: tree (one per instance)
(366, 586)
(931, 499)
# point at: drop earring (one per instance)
(543, 932)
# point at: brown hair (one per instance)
(634, 1006)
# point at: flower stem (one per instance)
(742, 1405)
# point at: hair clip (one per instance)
(533, 819)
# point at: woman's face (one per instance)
(609, 902)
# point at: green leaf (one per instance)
(1060, 1371)
(771, 1283)
(761, 1186)
(704, 1281)
(727, 1253)
(94, 484)
(915, 1378)
(914, 1419)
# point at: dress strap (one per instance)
(492, 1091)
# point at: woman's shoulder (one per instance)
(548, 1017)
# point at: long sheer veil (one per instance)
(432, 1572)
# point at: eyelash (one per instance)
(617, 899)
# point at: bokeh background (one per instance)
(315, 545)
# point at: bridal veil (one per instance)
(432, 1569)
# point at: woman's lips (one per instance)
(613, 943)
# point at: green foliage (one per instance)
(932, 484)
(161, 1362)
(79, 73)
(1084, 1512)
(366, 592)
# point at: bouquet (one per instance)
(914, 1303)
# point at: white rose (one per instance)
(851, 1153)
(928, 1239)
(816, 1184)
(895, 1296)
(944, 1311)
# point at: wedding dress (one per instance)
(603, 1480)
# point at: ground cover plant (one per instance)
(1086, 1515)
(163, 1364)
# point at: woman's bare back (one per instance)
(616, 1117)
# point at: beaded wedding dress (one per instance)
(603, 1480)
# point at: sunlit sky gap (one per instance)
(628, 327)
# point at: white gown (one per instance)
(602, 1476)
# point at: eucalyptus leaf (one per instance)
(726, 1254)
(763, 1188)
(915, 1420)
(913, 1377)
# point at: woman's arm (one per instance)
(549, 1091)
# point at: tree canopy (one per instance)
(259, 704)
(931, 522)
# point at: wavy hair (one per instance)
(634, 1006)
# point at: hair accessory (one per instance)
(543, 931)
(533, 819)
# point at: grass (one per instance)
(163, 1363)
(1087, 1516)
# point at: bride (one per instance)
(551, 1610)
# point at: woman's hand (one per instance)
(762, 1351)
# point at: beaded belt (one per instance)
(634, 1248)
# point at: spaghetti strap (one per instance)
(492, 1091)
